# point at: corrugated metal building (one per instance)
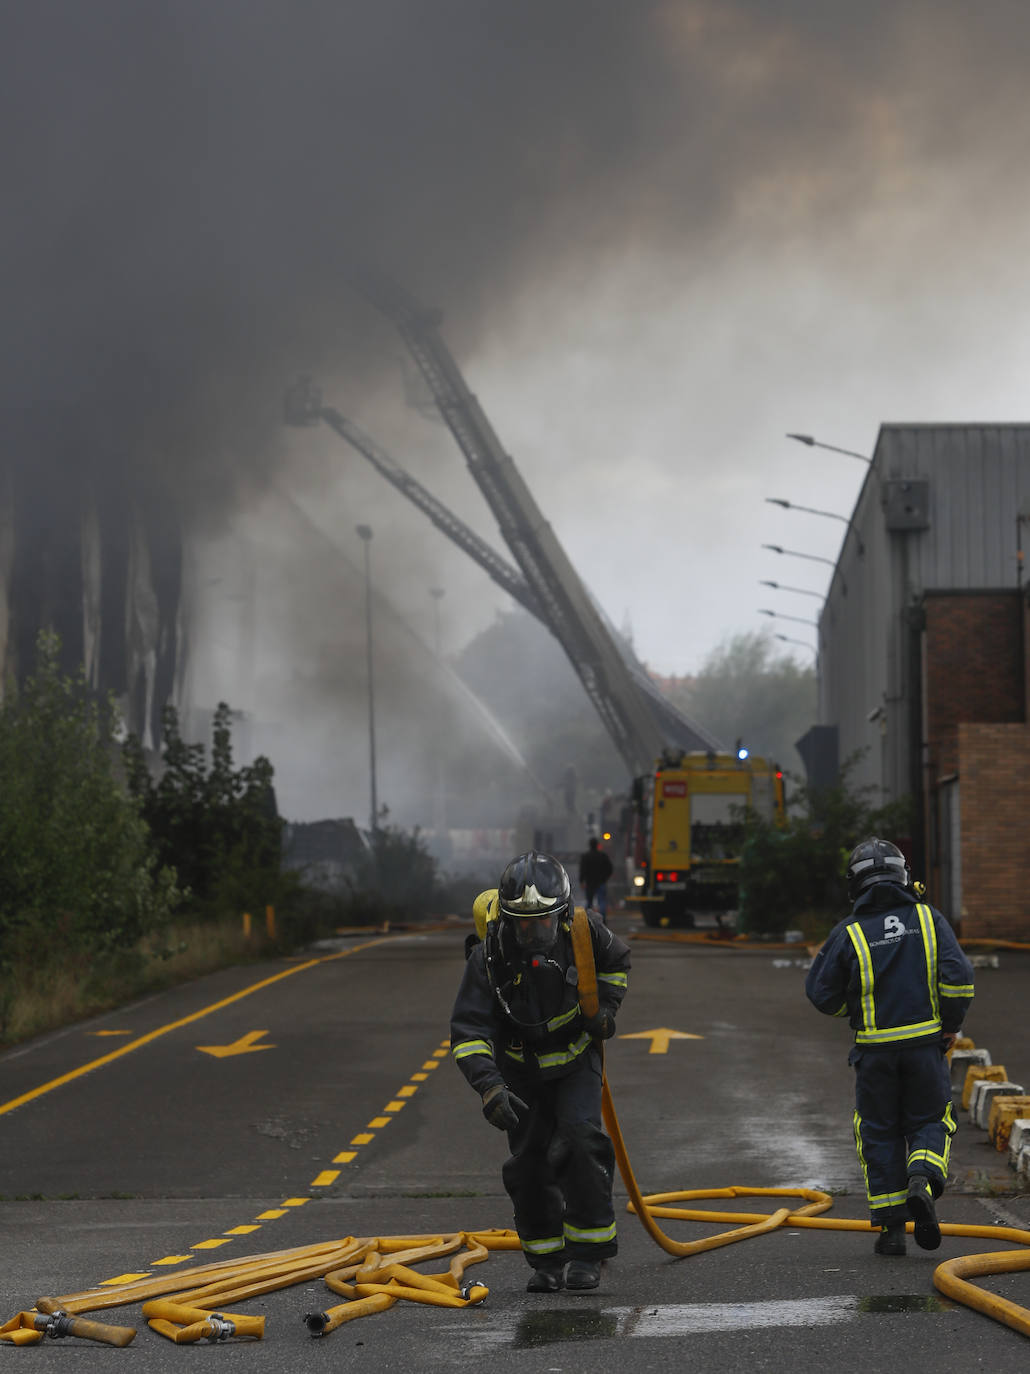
(924, 659)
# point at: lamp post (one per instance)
(803, 642)
(440, 791)
(814, 443)
(364, 532)
(809, 510)
(802, 591)
(800, 619)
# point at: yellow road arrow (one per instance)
(660, 1038)
(244, 1045)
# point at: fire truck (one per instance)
(689, 822)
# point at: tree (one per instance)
(218, 827)
(78, 864)
(745, 690)
(793, 875)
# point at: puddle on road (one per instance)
(567, 1324)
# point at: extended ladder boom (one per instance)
(627, 713)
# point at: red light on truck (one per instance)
(673, 877)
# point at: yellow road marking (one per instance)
(418, 1078)
(326, 1177)
(378, 1122)
(171, 1259)
(123, 1278)
(242, 1230)
(271, 1215)
(184, 1021)
(393, 1106)
(345, 1156)
(295, 1201)
(208, 1244)
(407, 1091)
(111, 1032)
(660, 1038)
(430, 1064)
(244, 1045)
(363, 1138)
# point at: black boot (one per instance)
(546, 1280)
(583, 1274)
(922, 1211)
(891, 1240)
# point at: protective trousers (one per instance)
(562, 1166)
(903, 1122)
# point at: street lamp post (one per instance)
(802, 591)
(365, 534)
(440, 795)
(799, 618)
(809, 510)
(814, 443)
(803, 642)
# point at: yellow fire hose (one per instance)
(374, 1273)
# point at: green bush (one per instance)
(78, 866)
(792, 876)
(218, 827)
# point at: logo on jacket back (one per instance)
(893, 928)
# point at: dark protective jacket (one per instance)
(595, 868)
(894, 968)
(517, 1017)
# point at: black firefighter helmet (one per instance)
(876, 861)
(533, 897)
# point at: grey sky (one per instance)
(662, 234)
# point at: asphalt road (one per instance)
(312, 1099)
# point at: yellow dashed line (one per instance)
(326, 1177)
(431, 1064)
(363, 1138)
(407, 1091)
(295, 1201)
(418, 1078)
(172, 1259)
(394, 1106)
(208, 1244)
(111, 1032)
(271, 1216)
(123, 1278)
(345, 1156)
(242, 1230)
(378, 1122)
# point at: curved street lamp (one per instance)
(809, 510)
(803, 642)
(780, 616)
(802, 591)
(814, 443)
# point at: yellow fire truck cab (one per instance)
(690, 822)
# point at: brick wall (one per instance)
(973, 667)
(994, 788)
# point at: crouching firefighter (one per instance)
(519, 1036)
(895, 968)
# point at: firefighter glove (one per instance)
(502, 1108)
(601, 1026)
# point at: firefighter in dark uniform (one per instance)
(895, 969)
(519, 1037)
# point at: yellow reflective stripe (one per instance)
(543, 1247)
(515, 1054)
(885, 1037)
(865, 969)
(928, 1157)
(929, 932)
(466, 1047)
(956, 990)
(552, 1061)
(596, 1235)
(857, 1121)
(557, 1021)
(886, 1199)
(843, 1010)
(617, 980)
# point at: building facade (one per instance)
(924, 660)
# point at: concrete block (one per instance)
(1003, 1111)
(984, 1092)
(996, 1072)
(1023, 1162)
(964, 1059)
(1019, 1138)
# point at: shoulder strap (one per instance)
(586, 970)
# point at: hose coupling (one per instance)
(316, 1323)
(221, 1327)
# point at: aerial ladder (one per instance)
(640, 722)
